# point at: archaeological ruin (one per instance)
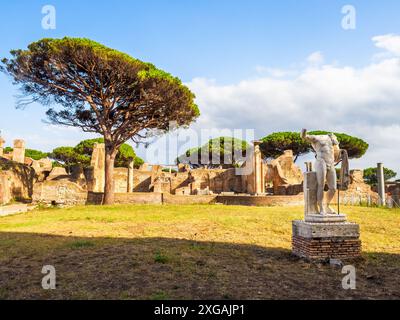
(275, 182)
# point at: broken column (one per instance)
(98, 165)
(381, 184)
(2, 142)
(257, 186)
(130, 175)
(19, 151)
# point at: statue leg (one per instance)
(332, 186)
(320, 168)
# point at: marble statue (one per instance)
(328, 155)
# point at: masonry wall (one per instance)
(16, 181)
(166, 198)
(326, 248)
(58, 192)
(261, 200)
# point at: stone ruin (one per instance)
(283, 176)
(25, 179)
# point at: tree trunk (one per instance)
(109, 178)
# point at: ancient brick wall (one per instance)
(17, 181)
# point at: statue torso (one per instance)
(324, 149)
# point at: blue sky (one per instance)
(223, 39)
(221, 43)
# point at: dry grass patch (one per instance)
(186, 252)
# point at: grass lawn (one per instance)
(187, 252)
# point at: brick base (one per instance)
(325, 248)
(321, 241)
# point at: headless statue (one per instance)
(328, 155)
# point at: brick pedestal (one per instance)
(320, 241)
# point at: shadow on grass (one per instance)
(163, 268)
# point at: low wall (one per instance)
(261, 200)
(166, 198)
(127, 198)
(180, 199)
(61, 191)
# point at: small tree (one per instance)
(275, 144)
(69, 157)
(355, 147)
(100, 90)
(124, 156)
(82, 152)
(225, 151)
(30, 153)
(371, 177)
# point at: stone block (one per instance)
(325, 230)
(310, 193)
(325, 218)
(19, 151)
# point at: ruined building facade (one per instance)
(23, 178)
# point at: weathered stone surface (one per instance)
(5, 189)
(16, 181)
(98, 166)
(283, 174)
(325, 230)
(358, 191)
(130, 176)
(59, 192)
(144, 167)
(325, 218)
(2, 142)
(19, 151)
(57, 172)
(310, 193)
(253, 182)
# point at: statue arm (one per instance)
(307, 137)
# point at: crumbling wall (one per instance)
(120, 180)
(285, 177)
(59, 192)
(358, 190)
(16, 181)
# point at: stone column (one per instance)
(19, 151)
(2, 142)
(98, 164)
(130, 176)
(381, 184)
(259, 178)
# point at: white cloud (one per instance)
(315, 59)
(388, 42)
(274, 72)
(364, 102)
